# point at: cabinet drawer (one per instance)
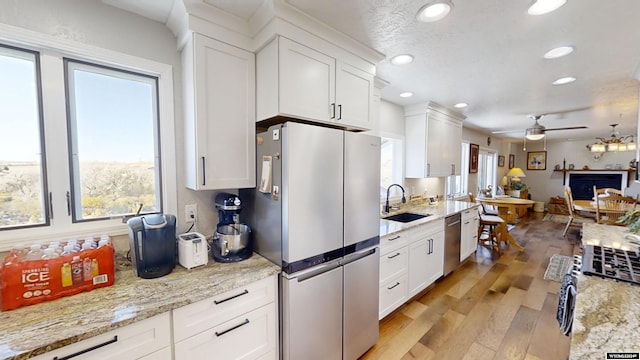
(393, 241)
(427, 229)
(250, 336)
(392, 295)
(393, 263)
(469, 213)
(203, 315)
(129, 342)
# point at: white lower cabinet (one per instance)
(469, 232)
(410, 261)
(249, 336)
(149, 339)
(239, 324)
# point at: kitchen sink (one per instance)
(406, 217)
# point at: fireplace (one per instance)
(582, 182)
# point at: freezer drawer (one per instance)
(312, 314)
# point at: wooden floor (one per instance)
(492, 307)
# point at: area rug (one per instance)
(556, 218)
(558, 266)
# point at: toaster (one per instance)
(192, 250)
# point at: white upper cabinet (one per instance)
(296, 81)
(433, 138)
(219, 103)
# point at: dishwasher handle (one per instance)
(454, 223)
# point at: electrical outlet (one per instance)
(190, 213)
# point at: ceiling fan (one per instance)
(537, 131)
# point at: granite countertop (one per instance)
(607, 312)
(436, 211)
(36, 329)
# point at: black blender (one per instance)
(232, 240)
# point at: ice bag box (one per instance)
(29, 282)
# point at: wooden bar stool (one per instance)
(491, 229)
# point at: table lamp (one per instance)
(515, 174)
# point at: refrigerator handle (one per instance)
(357, 256)
(319, 270)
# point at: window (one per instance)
(103, 121)
(487, 169)
(391, 165)
(457, 185)
(22, 167)
(105, 104)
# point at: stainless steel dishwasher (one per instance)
(452, 225)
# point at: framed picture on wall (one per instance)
(537, 160)
(474, 152)
(512, 161)
(500, 161)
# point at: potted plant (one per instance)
(516, 187)
(632, 220)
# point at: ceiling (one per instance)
(489, 54)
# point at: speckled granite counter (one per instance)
(607, 312)
(437, 211)
(33, 330)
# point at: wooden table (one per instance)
(508, 210)
(508, 207)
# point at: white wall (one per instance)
(94, 23)
(544, 184)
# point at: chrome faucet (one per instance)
(387, 208)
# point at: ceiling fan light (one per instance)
(540, 7)
(434, 11)
(535, 133)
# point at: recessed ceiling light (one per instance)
(460, 105)
(406, 94)
(560, 51)
(402, 59)
(540, 7)
(564, 80)
(434, 11)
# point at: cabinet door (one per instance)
(419, 252)
(307, 82)
(249, 336)
(435, 157)
(416, 146)
(354, 96)
(219, 115)
(392, 294)
(436, 258)
(450, 147)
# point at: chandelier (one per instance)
(614, 143)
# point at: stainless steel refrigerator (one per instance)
(315, 213)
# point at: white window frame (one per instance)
(52, 50)
(464, 175)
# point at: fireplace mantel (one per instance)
(629, 173)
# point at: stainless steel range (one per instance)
(611, 263)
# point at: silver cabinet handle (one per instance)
(393, 256)
(394, 238)
(394, 285)
(204, 173)
(333, 110)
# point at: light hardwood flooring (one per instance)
(492, 307)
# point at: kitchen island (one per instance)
(29, 331)
(607, 312)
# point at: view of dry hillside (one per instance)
(107, 189)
